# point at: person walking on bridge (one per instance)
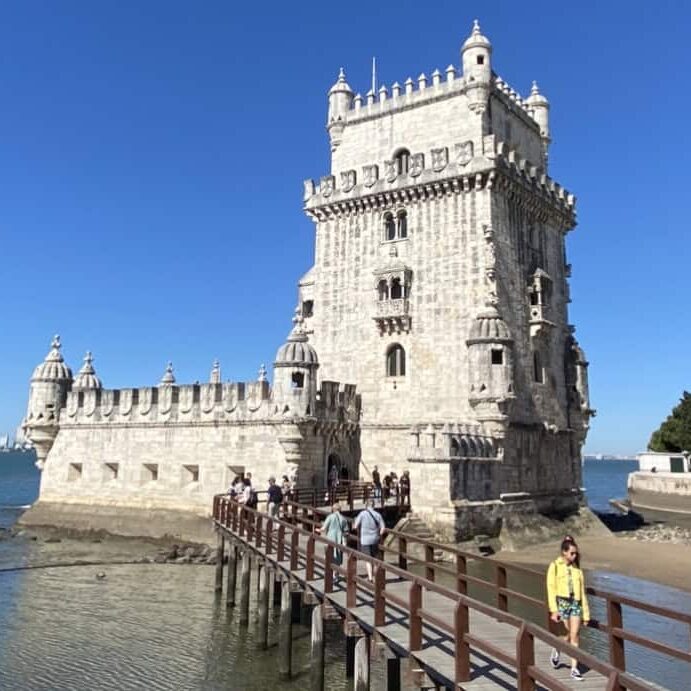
(567, 599)
(371, 525)
(335, 528)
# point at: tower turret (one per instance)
(476, 56)
(539, 106)
(50, 382)
(295, 373)
(491, 369)
(86, 377)
(340, 102)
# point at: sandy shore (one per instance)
(660, 562)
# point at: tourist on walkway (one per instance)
(274, 499)
(567, 599)
(404, 485)
(376, 481)
(335, 528)
(371, 526)
(333, 477)
(286, 487)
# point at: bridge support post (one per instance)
(245, 588)
(232, 574)
(219, 561)
(317, 649)
(295, 605)
(285, 632)
(362, 664)
(263, 606)
(353, 633)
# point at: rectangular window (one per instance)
(308, 308)
(538, 372)
(190, 473)
(110, 471)
(74, 472)
(149, 472)
(497, 356)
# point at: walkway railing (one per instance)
(292, 539)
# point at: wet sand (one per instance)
(664, 563)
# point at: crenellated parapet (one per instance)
(457, 168)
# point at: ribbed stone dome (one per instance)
(296, 351)
(53, 368)
(489, 327)
(341, 84)
(476, 39)
(86, 377)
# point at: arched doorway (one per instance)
(333, 469)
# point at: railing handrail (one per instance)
(503, 593)
(416, 581)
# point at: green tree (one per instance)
(674, 434)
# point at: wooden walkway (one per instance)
(458, 642)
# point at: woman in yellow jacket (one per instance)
(567, 599)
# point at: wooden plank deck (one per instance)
(436, 655)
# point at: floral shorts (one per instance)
(569, 607)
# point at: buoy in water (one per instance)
(100, 575)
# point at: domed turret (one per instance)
(476, 56)
(50, 383)
(490, 361)
(86, 377)
(539, 106)
(340, 102)
(295, 372)
(168, 376)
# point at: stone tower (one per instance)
(440, 287)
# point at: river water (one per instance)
(159, 626)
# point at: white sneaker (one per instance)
(575, 674)
(554, 658)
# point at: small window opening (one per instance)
(402, 224)
(534, 298)
(396, 289)
(150, 472)
(383, 290)
(480, 59)
(74, 472)
(402, 159)
(111, 471)
(389, 227)
(191, 473)
(297, 380)
(307, 308)
(538, 373)
(395, 361)
(497, 356)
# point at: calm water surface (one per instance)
(159, 626)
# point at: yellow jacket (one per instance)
(558, 585)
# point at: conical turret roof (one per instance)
(86, 377)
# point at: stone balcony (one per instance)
(392, 316)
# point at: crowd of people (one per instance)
(244, 493)
(391, 486)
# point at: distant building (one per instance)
(439, 288)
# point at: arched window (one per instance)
(402, 159)
(402, 224)
(383, 289)
(395, 361)
(297, 380)
(396, 289)
(389, 227)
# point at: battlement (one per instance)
(424, 90)
(458, 167)
(238, 401)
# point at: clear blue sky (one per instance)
(152, 157)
